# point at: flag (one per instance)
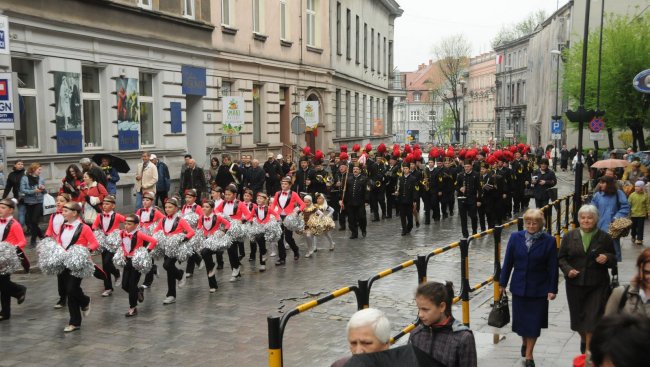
(499, 59)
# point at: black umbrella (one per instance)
(403, 356)
(116, 162)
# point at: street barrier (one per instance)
(562, 207)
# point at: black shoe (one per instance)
(375, 220)
(427, 222)
(342, 229)
(219, 266)
(389, 216)
(354, 236)
(363, 234)
(383, 216)
(296, 256)
(279, 262)
(251, 259)
(523, 350)
(131, 313)
(404, 233)
(21, 297)
(417, 224)
(530, 363)
(241, 257)
(583, 347)
(451, 213)
(444, 216)
(140, 295)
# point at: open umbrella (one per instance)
(610, 163)
(116, 162)
(403, 356)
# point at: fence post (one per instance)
(566, 213)
(498, 230)
(421, 265)
(363, 301)
(464, 274)
(548, 217)
(558, 222)
(520, 223)
(275, 341)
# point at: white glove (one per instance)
(320, 213)
(94, 200)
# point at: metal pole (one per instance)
(464, 273)
(557, 96)
(275, 341)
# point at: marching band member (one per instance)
(261, 214)
(236, 210)
(133, 239)
(12, 233)
(149, 216)
(75, 232)
(170, 225)
(284, 203)
(108, 221)
(209, 223)
(53, 230)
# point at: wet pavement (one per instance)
(229, 328)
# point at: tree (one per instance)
(626, 52)
(518, 30)
(445, 126)
(452, 55)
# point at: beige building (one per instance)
(479, 99)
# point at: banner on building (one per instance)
(232, 109)
(309, 111)
(7, 105)
(4, 35)
(176, 117)
(67, 106)
(128, 114)
(193, 80)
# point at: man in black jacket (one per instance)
(13, 186)
(228, 172)
(273, 174)
(407, 197)
(304, 177)
(194, 178)
(354, 201)
(254, 177)
(89, 166)
(468, 193)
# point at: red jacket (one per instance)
(196, 209)
(14, 234)
(51, 231)
(240, 212)
(180, 226)
(98, 191)
(293, 202)
(217, 220)
(138, 240)
(114, 224)
(83, 236)
(268, 213)
(157, 216)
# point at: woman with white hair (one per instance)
(368, 332)
(584, 256)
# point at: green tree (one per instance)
(626, 52)
(446, 125)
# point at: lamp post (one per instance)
(556, 117)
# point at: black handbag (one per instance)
(500, 314)
(529, 193)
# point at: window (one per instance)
(257, 114)
(356, 114)
(146, 109)
(385, 59)
(357, 40)
(226, 15)
(364, 115)
(226, 88)
(365, 45)
(372, 49)
(258, 16)
(378, 53)
(337, 108)
(390, 56)
(188, 9)
(92, 129)
(348, 113)
(348, 34)
(414, 115)
(284, 25)
(432, 115)
(338, 28)
(145, 4)
(311, 23)
(372, 115)
(417, 96)
(27, 136)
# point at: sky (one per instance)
(425, 22)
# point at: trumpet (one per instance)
(329, 180)
(377, 183)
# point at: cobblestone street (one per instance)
(228, 328)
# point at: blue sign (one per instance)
(177, 123)
(193, 80)
(69, 141)
(641, 81)
(128, 139)
(557, 126)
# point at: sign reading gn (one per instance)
(6, 99)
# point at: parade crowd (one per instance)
(484, 186)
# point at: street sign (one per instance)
(556, 136)
(509, 134)
(298, 125)
(641, 81)
(596, 136)
(596, 125)
(557, 126)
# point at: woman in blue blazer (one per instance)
(531, 258)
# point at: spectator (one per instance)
(88, 165)
(564, 158)
(254, 177)
(13, 186)
(32, 188)
(611, 204)
(163, 185)
(71, 183)
(640, 210)
(634, 172)
(531, 257)
(584, 256)
(543, 180)
(145, 180)
(633, 299)
(93, 194)
(112, 176)
(273, 174)
(368, 332)
(621, 341)
(194, 178)
(441, 336)
(213, 169)
(228, 172)
(286, 164)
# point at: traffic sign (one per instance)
(641, 81)
(596, 124)
(556, 136)
(557, 126)
(596, 136)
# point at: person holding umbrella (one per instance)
(112, 177)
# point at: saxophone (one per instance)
(425, 179)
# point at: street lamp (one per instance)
(556, 117)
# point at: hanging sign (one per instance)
(233, 114)
(309, 111)
(7, 105)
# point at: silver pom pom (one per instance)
(141, 260)
(237, 231)
(172, 245)
(272, 231)
(159, 250)
(78, 261)
(192, 219)
(100, 236)
(50, 256)
(184, 251)
(9, 261)
(218, 241)
(113, 241)
(294, 222)
(196, 242)
(254, 229)
(119, 259)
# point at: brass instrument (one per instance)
(377, 183)
(329, 180)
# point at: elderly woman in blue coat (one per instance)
(611, 204)
(531, 259)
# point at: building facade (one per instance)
(479, 99)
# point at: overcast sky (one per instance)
(425, 22)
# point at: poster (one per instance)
(177, 116)
(309, 111)
(7, 106)
(67, 107)
(128, 114)
(233, 114)
(4, 35)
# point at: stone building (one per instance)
(479, 99)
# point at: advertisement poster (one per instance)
(67, 106)
(128, 114)
(233, 114)
(7, 107)
(309, 111)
